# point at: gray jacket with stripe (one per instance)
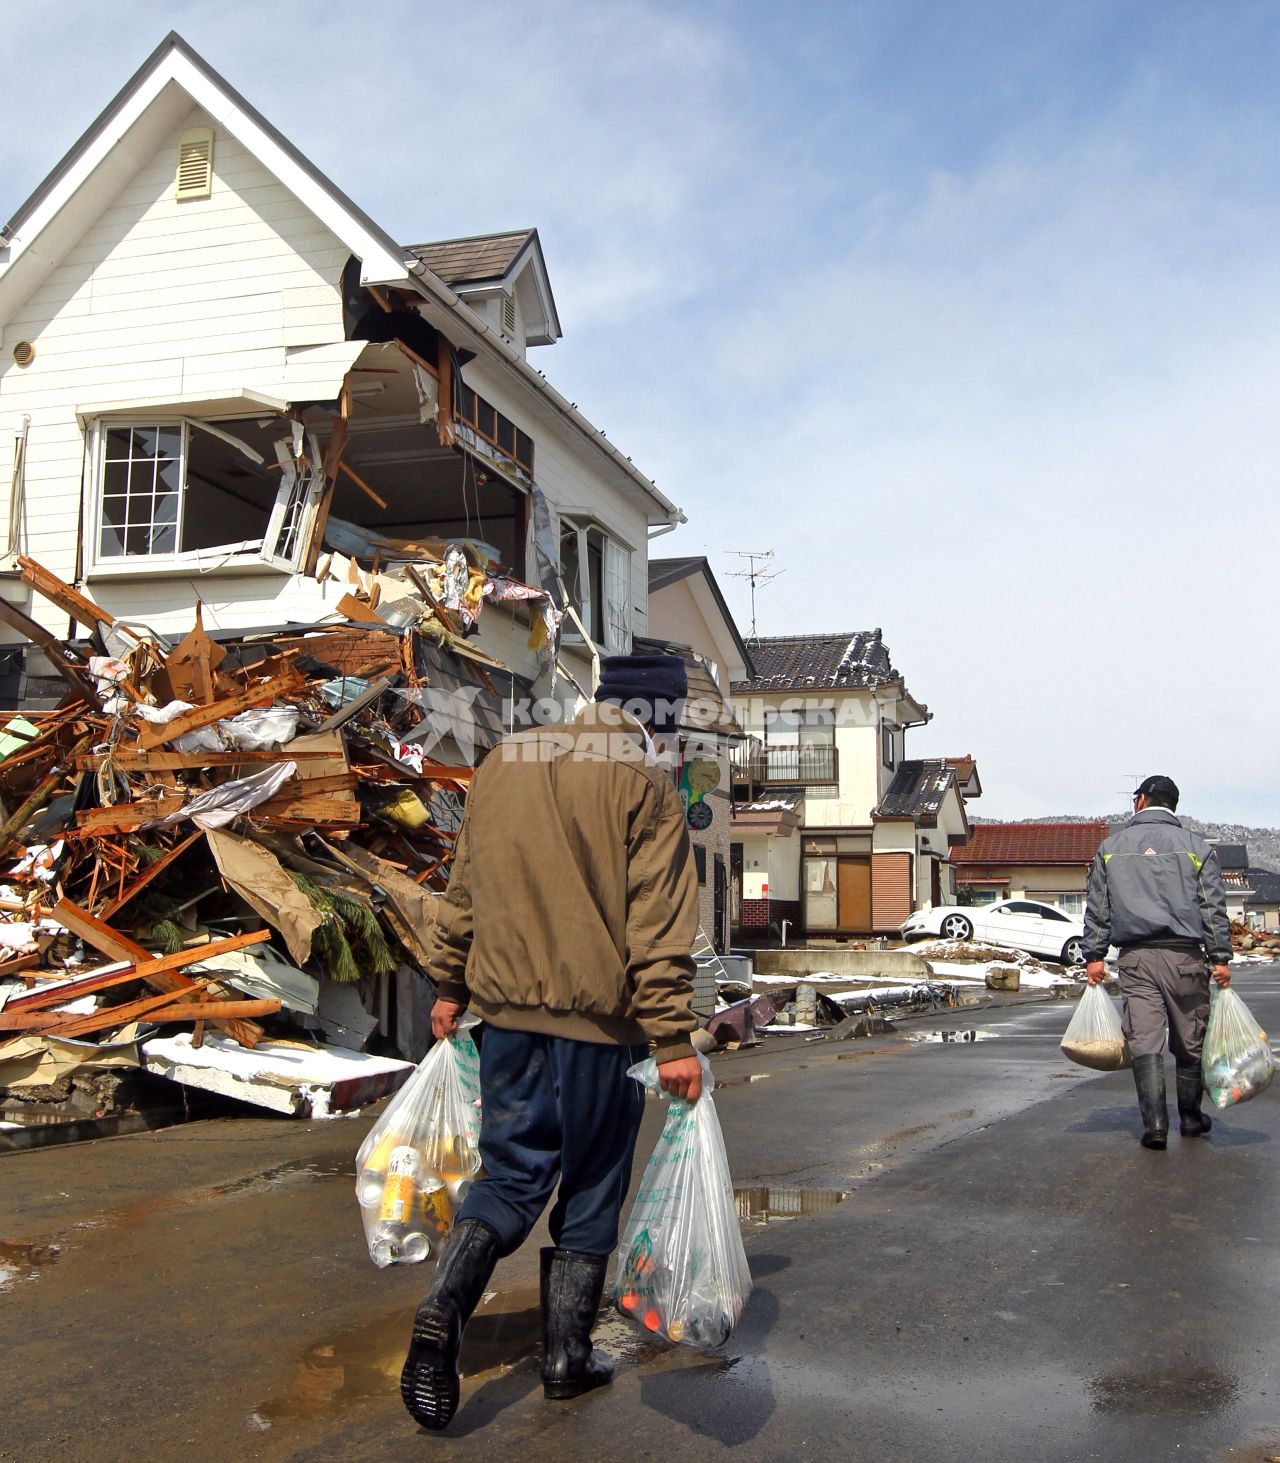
(1154, 883)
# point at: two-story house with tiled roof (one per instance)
(835, 831)
(1048, 862)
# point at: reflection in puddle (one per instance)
(950, 1036)
(761, 1204)
(1196, 1391)
(364, 1361)
(21, 1260)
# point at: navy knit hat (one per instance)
(649, 686)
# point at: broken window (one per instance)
(596, 571)
(498, 431)
(169, 489)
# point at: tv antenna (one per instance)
(1128, 793)
(755, 575)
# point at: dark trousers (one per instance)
(1165, 990)
(555, 1109)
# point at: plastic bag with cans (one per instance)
(682, 1272)
(420, 1157)
(1237, 1063)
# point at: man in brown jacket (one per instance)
(568, 926)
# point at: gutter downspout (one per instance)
(17, 489)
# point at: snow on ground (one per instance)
(1031, 977)
(1031, 974)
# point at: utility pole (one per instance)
(762, 575)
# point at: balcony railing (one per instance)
(764, 766)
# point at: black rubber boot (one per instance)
(1148, 1078)
(1193, 1123)
(572, 1285)
(429, 1382)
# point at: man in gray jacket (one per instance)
(1155, 890)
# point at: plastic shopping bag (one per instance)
(682, 1272)
(420, 1157)
(1093, 1037)
(1237, 1062)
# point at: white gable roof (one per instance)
(149, 107)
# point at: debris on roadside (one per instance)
(220, 858)
(1260, 944)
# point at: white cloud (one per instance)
(987, 355)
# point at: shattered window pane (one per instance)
(228, 495)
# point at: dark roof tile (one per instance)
(469, 261)
(819, 662)
(917, 790)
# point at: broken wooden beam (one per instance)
(127, 817)
(360, 483)
(202, 716)
(157, 1010)
(68, 667)
(95, 932)
(145, 970)
(125, 759)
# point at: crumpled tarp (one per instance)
(260, 879)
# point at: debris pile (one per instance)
(219, 859)
(1263, 944)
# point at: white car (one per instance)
(1021, 924)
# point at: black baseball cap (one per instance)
(1162, 790)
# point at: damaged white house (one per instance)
(221, 380)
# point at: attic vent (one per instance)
(195, 164)
(508, 316)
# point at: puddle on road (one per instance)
(975, 1034)
(364, 1361)
(761, 1204)
(1196, 1391)
(22, 1259)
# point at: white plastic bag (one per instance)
(682, 1272)
(1093, 1037)
(1237, 1062)
(420, 1157)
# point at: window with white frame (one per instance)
(887, 745)
(596, 571)
(174, 490)
(1070, 901)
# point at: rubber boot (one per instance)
(1193, 1123)
(1148, 1078)
(429, 1382)
(572, 1285)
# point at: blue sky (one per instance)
(968, 311)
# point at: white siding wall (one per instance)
(158, 299)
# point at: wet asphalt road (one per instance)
(1011, 1277)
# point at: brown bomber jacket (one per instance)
(573, 903)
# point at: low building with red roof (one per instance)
(1044, 861)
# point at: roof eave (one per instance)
(173, 60)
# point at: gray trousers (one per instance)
(1165, 988)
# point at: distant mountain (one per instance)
(1263, 843)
